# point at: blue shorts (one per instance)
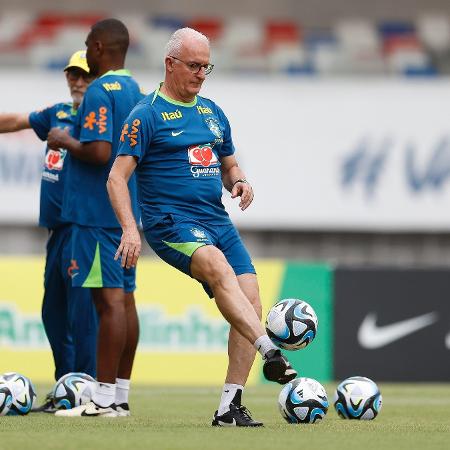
(176, 238)
(93, 264)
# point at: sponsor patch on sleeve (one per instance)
(96, 119)
(130, 132)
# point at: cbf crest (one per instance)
(213, 125)
(199, 234)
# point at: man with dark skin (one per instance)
(96, 232)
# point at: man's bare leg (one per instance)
(127, 360)
(209, 264)
(132, 337)
(112, 332)
(241, 355)
(110, 304)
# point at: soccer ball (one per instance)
(5, 399)
(73, 389)
(357, 398)
(303, 400)
(22, 391)
(291, 324)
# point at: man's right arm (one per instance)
(95, 152)
(10, 122)
(134, 141)
(117, 185)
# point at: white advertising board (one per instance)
(321, 154)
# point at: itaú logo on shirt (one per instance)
(203, 161)
(54, 159)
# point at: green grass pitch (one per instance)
(414, 416)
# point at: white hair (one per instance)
(173, 47)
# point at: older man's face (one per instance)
(187, 75)
(78, 81)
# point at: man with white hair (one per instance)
(181, 148)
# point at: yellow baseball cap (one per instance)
(78, 60)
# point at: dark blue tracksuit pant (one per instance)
(69, 316)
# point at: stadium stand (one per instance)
(349, 46)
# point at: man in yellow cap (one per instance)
(68, 314)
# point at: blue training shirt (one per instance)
(55, 169)
(178, 147)
(106, 104)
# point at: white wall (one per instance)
(324, 155)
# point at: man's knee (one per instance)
(109, 301)
(218, 273)
(210, 265)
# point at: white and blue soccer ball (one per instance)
(303, 400)
(72, 390)
(6, 399)
(22, 392)
(291, 324)
(357, 398)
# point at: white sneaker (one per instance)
(123, 410)
(88, 410)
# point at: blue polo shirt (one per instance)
(106, 104)
(178, 147)
(54, 174)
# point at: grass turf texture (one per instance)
(413, 416)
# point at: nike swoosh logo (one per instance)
(177, 133)
(447, 341)
(227, 424)
(84, 413)
(371, 336)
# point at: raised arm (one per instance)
(233, 178)
(119, 195)
(10, 122)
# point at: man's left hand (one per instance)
(245, 191)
